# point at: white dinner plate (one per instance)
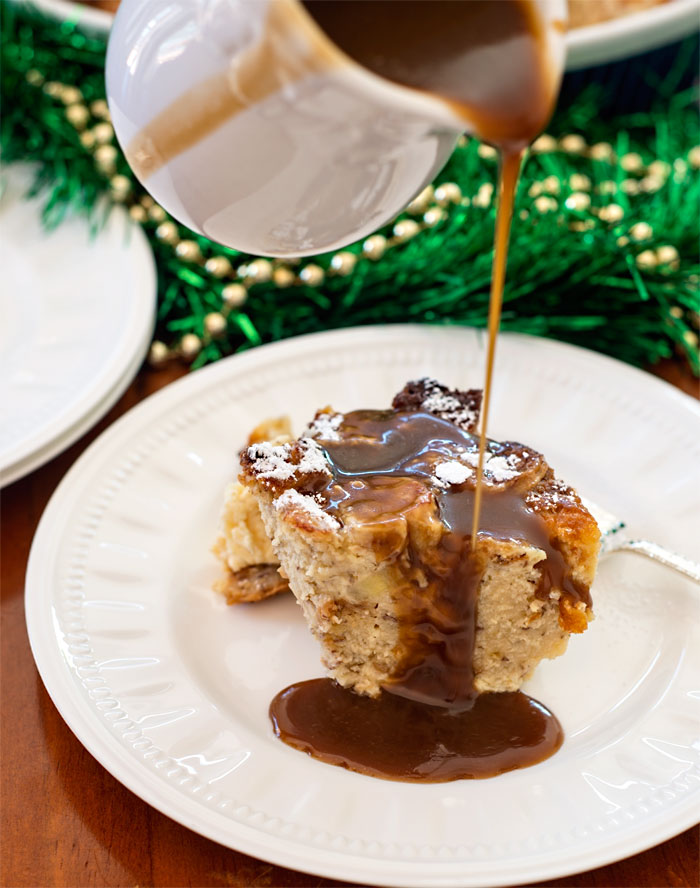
(77, 317)
(169, 688)
(595, 45)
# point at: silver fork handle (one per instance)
(657, 553)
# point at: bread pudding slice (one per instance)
(369, 515)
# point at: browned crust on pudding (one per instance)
(250, 584)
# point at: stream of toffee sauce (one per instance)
(488, 61)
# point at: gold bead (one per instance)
(312, 275)
(218, 266)
(545, 144)
(234, 295)
(421, 202)
(680, 168)
(447, 193)
(611, 213)
(551, 185)
(374, 246)
(694, 157)
(462, 141)
(103, 133)
(146, 201)
(187, 250)
(106, 158)
(488, 152)
(119, 186)
(641, 231)
(572, 144)
(87, 140)
(77, 115)
(167, 232)
(156, 213)
(434, 216)
(630, 186)
(650, 184)
(70, 95)
(622, 241)
(579, 182)
(405, 229)
(579, 200)
(647, 259)
(215, 324)
(632, 162)
(545, 204)
(34, 77)
(602, 151)
(535, 189)
(523, 214)
(259, 271)
(283, 277)
(690, 338)
(158, 353)
(659, 168)
(53, 88)
(137, 213)
(668, 255)
(100, 108)
(190, 346)
(607, 187)
(581, 225)
(676, 312)
(483, 196)
(343, 263)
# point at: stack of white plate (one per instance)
(77, 311)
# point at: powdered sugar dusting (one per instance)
(292, 500)
(271, 461)
(451, 472)
(325, 426)
(279, 462)
(447, 406)
(313, 458)
(552, 495)
(497, 468)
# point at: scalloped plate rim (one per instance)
(115, 757)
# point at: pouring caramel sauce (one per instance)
(488, 61)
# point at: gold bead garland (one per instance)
(431, 204)
(218, 266)
(374, 247)
(312, 275)
(343, 263)
(77, 115)
(167, 232)
(234, 295)
(283, 277)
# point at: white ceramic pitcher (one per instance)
(286, 153)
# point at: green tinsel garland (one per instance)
(604, 251)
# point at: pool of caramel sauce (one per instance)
(380, 470)
(399, 739)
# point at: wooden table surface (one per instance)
(67, 822)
